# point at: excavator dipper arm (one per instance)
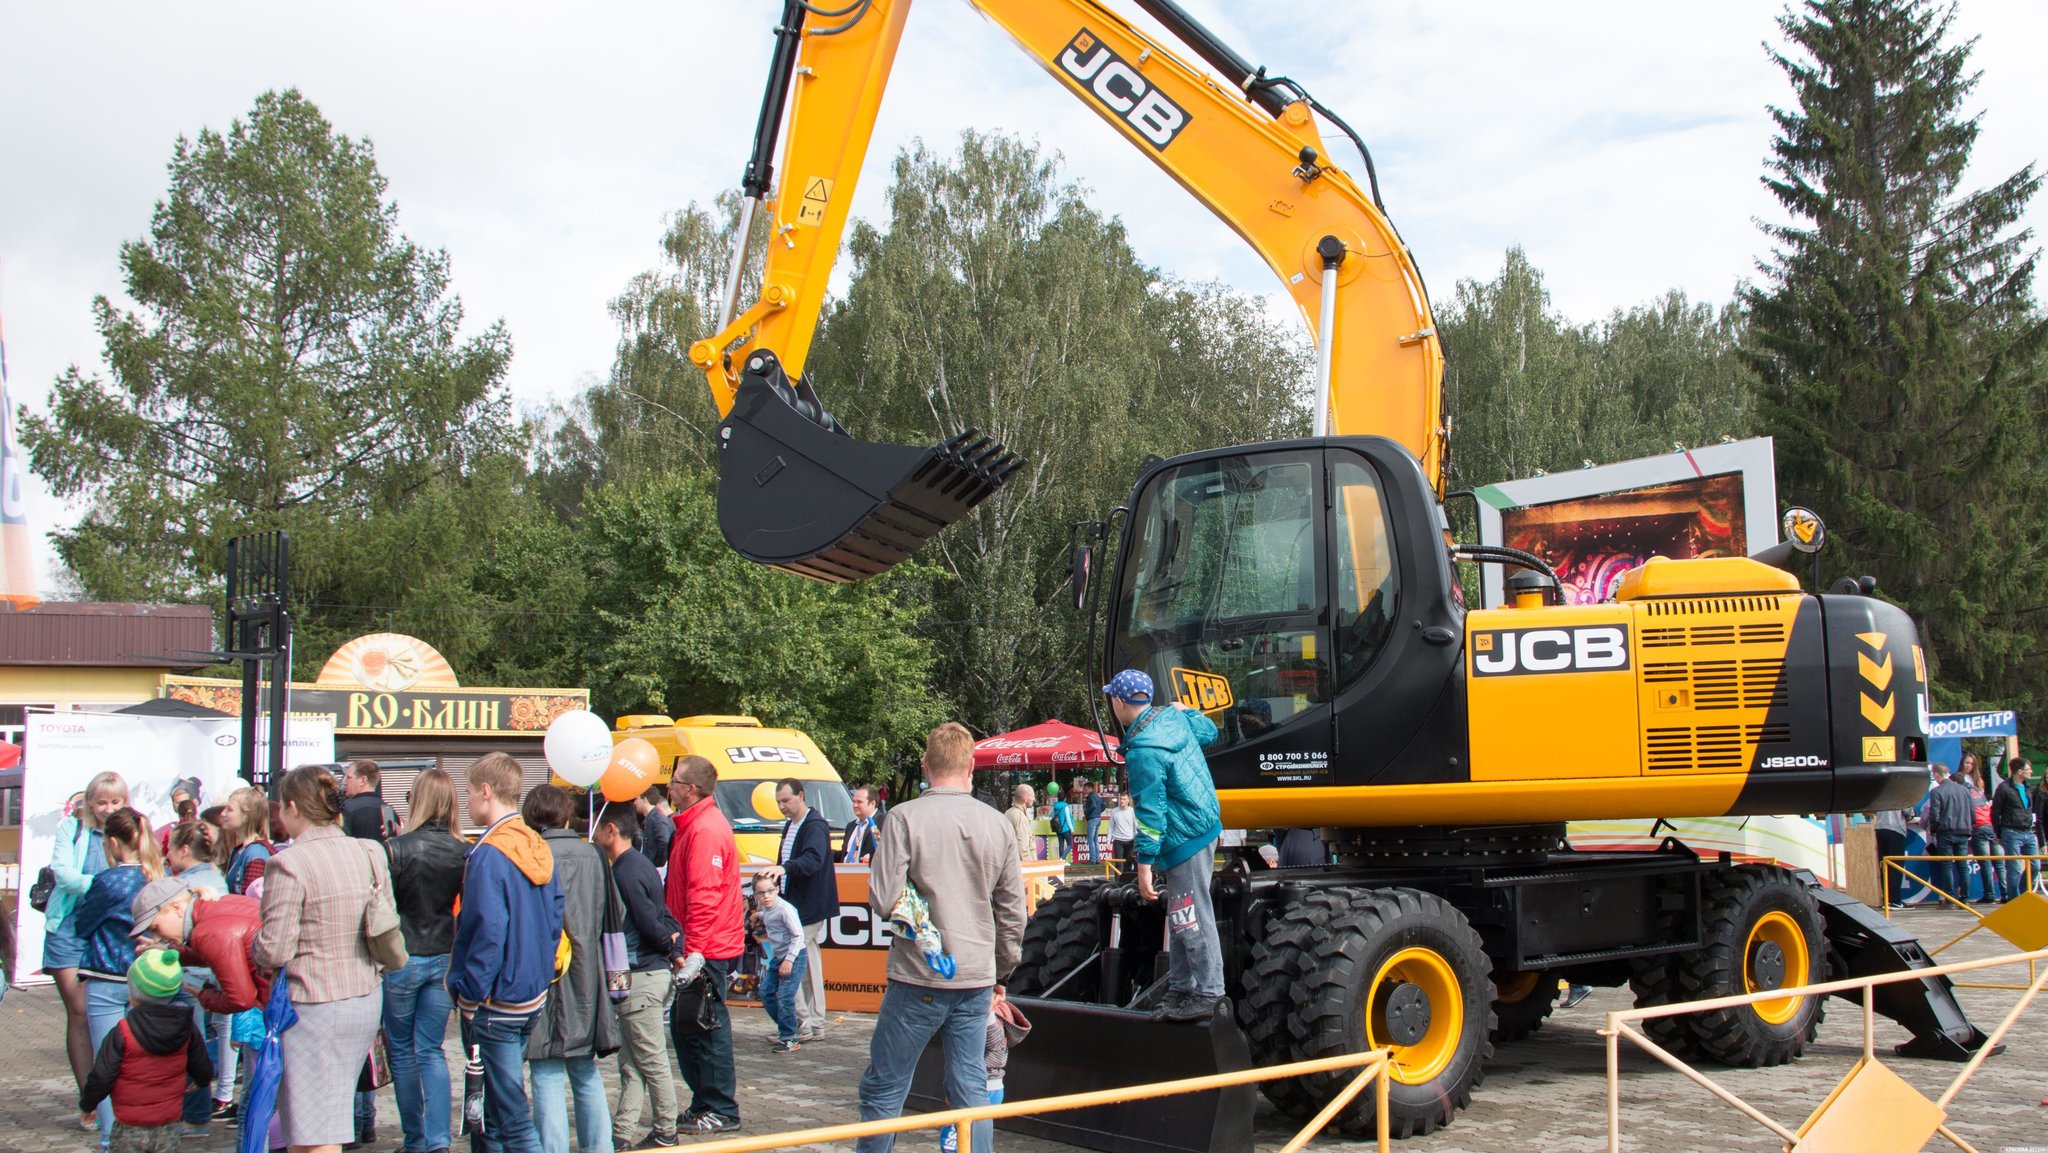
(798, 492)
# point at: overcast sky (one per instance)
(1620, 143)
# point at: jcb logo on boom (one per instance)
(1579, 649)
(767, 754)
(1121, 89)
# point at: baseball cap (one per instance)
(156, 974)
(151, 900)
(1130, 685)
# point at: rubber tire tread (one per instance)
(1325, 1020)
(1060, 935)
(1738, 1036)
(1516, 1020)
(1266, 1008)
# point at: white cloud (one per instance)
(1620, 143)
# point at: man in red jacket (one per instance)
(209, 932)
(703, 892)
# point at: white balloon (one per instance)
(578, 747)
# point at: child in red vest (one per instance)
(148, 1060)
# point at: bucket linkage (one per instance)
(799, 493)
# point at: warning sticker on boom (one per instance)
(810, 211)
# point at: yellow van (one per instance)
(750, 760)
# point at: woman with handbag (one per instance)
(577, 1024)
(329, 921)
(79, 853)
(426, 877)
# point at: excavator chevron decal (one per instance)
(1879, 675)
(1879, 715)
(1874, 640)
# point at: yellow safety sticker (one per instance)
(817, 194)
(1880, 750)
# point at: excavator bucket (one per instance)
(1868, 945)
(1079, 1047)
(796, 492)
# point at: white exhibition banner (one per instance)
(66, 750)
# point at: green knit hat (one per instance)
(156, 974)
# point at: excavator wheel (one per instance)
(1521, 1002)
(1655, 982)
(1404, 969)
(1762, 931)
(1060, 936)
(1267, 1003)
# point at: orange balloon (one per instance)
(633, 768)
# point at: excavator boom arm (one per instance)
(1253, 155)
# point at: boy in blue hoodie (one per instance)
(1179, 822)
(505, 940)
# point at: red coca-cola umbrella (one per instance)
(1053, 744)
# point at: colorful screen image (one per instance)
(1592, 540)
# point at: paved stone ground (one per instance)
(1546, 1093)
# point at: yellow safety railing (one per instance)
(1620, 1024)
(1371, 1066)
(2021, 920)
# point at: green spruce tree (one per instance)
(1896, 338)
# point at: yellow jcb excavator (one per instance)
(1303, 594)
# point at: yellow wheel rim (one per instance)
(1431, 1053)
(1780, 932)
(1517, 988)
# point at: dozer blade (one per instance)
(1079, 1047)
(1870, 945)
(809, 499)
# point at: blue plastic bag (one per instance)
(267, 1069)
(912, 917)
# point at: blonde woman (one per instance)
(102, 921)
(79, 854)
(316, 895)
(426, 877)
(245, 846)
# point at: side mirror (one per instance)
(1080, 567)
(1804, 535)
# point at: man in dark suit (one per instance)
(810, 884)
(863, 830)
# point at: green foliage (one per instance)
(293, 363)
(1898, 340)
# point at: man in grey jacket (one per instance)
(962, 857)
(1948, 817)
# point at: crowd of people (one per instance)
(554, 947)
(1972, 826)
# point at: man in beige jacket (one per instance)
(962, 858)
(1019, 813)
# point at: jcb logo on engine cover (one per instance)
(1122, 89)
(749, 754)
(1203, 692)
(1578, 649)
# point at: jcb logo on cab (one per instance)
(1203, 692)
(766, 754)
(1580, 649)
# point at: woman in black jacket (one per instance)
(426, 875)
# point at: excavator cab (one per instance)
(799, 493)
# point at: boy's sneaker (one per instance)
(781, 1046)
(1575, 995)
(658, 1140)
(225, 1111)
(708, 1122)
(188, 1129)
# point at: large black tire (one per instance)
(1762, 931)
(1370, 966)
(1061, 935)
(1266, 1006)
(1520, 1004)
(1655, 982)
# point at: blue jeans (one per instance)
(501, 1041)
(106, 1002)
(778, 993)
(949, 1136)
(1952, 877)
(551, 1112)
(1066, 846)
(2018, 843)
(911, 1015)
(705, 1059)
(1984, 844)
(416, 1006)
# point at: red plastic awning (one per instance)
(1053, 744)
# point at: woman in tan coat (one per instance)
(315, 896)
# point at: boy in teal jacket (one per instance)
(1179, 822)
